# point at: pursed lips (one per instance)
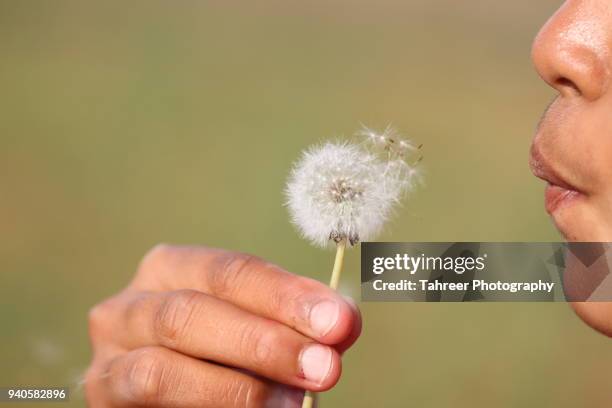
(558, 191)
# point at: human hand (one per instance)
(213, 328)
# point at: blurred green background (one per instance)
(125, 124)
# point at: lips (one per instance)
(556, 196)
(558, 191)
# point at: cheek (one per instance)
(602, 205)
(598, 122)
(589, 147)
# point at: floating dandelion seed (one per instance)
(388, 141)
(344, 192)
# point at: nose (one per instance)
(571, 52)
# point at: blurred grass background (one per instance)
(124, 124)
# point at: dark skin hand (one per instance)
(200, 327)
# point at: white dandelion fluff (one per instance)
(346, 192)
(389, 141)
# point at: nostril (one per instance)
(566, 87)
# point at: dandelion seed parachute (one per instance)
(341, 191)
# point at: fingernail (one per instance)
(323, 316)
(350, 301)
(316, 362)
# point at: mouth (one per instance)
(559, 192)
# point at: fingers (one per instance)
(158, 377)
(202, 326)
(253, 285)
(355, 331)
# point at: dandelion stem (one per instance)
(310, 396)
(309, 399)
(338, 263)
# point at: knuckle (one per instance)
(294, 298)
(234, 266)
(99, 319)
(174, 317)
(144, 376)
(281, 298)
(156, 257)
(257, 343)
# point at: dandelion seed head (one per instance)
(341, 191)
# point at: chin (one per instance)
(581, 222)
(597, 315)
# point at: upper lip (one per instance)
(542, 169)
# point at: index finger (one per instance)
(252, 284)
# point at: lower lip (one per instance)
(557, 197)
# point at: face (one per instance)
(572, 150)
